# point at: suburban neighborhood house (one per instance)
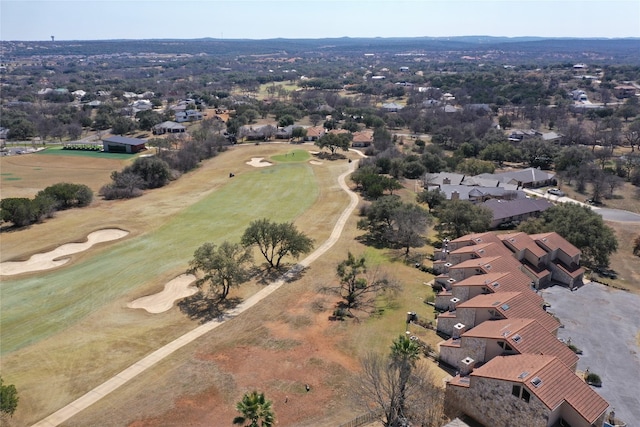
(532, 390)
(511, 369)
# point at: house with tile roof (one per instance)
(525, 390)
(465, 315)
(504, 337)
(362, 138)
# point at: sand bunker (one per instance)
(258, 162)
(60, 255)
(315, 162)
(178, 288)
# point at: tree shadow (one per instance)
(287, 272)
(204, 309)
(323, 155)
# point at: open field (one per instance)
(85, 308)
(25, 175)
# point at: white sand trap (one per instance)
(315, 162)
(60, 255)
(258, 162)
(178, 288)
(314, 152)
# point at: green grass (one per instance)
(58, 151)
(6, 174)
(292, 156)
(14, 178)
(34, 308)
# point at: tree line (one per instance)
(22, 211)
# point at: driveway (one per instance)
(606, 213)
(605, 324)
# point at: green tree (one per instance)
(21, 130)
(154, 172)
(275, 241)
(18, 210)
(122, 125)
(460, 217)
(256, 411)
(69, 195)
(433, 198)
(298, 133)
(222, 267)
(475, 167)
(410, 223)
(357, 290)
(404, 354)
(334, 141)
(147, 119)
(581, 227)
(286, 120)
(8, 398)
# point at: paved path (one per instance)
(149, 361)
(617, 215)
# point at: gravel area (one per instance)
(605, 324)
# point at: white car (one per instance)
(556, 192)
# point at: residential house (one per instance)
(168, 127)
(392, 107)
(442, 178)
(504, 337)
(515, 211)
(476, 194)
(563, 256)
(624, 91)
(525, 178)
(314, 133)
(362, 138)
(525, 390)
(494, 306)
(188, 116)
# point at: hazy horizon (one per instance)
(73, 20)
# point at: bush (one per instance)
(593, 379)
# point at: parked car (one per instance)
(593, 202)
(606, 272)
(556, 192)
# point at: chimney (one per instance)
(452, 303)
(455, 195)
(458, 329)
(466, 366)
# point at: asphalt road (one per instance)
(607, 214)
(605, 324)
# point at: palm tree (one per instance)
(404, 353)
(255, 410)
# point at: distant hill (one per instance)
(544, 50)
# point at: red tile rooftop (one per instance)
(549, 380)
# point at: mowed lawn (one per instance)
(37, 307)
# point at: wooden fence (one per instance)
(361, 420)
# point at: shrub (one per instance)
(593, 379)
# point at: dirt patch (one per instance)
(288, 353)
(175, 289)
(258, 162)
(60, 255)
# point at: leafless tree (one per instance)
(378, 389)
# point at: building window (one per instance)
(521, 393)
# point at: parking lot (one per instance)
(605, 324)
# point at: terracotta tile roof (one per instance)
(557, 383)
(477, 238)
(315, 132)
(526, 336)
(521, 241)
(484, 249)
(505, 263)
(514, 281)
(552, 241)
(363, 136)
(514, 305)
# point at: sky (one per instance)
(33, 20)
